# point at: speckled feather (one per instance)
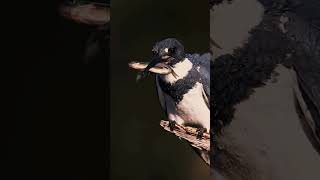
(182, 86)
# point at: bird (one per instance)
(266, 92)
(184, 95)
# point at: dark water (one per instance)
(140, 148)
(230, 30)
(266, 126)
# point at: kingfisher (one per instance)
(184, 94)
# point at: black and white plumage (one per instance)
(185, 94)
(186, 99)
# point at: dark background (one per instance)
(140, 148)
(60, 118)
(60, 127)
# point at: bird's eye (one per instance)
(172, 50)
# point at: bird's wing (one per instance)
(304, 27)
(307, 110)
(204, 64)
(161, 97)
(308, 78)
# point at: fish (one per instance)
(158, 69)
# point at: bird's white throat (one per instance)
(182, 69)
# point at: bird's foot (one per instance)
(200, 132)
(172, 124)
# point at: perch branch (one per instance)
(190, 135)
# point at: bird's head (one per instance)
(166, 53)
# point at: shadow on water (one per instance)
(140, 149)
(225, 31)
(286, 152)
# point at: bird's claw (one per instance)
(172, 124)
(200, 132)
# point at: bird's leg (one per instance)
(172, 124)
(200, 132)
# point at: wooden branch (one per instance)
(190, 135)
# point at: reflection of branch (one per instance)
(190, 135)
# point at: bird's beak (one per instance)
(154, 61)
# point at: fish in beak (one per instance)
(159, 65)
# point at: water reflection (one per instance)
(230, 23)
(266, 127)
